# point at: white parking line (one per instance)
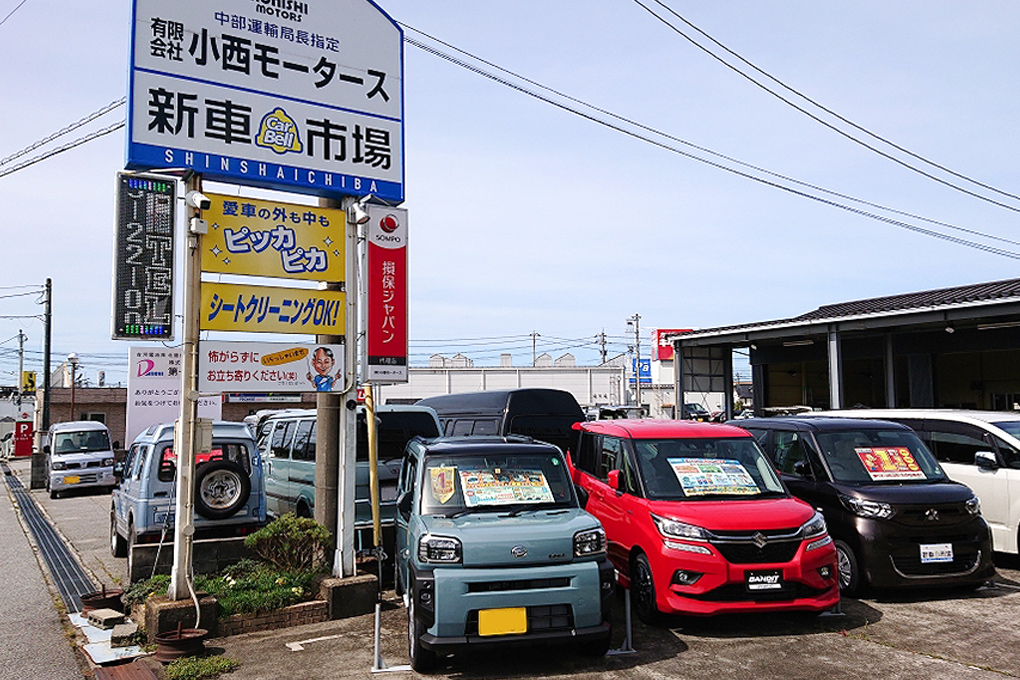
(300, 646)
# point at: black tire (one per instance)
(222, 488)
(422, 660)
(642, 587)
(848, 570)
(118, 546)
(54, 495)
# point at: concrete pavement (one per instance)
(34, 643)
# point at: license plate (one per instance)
(387, 493)
(503, 621)
(73, 479)
(936, 552)
(759, 581)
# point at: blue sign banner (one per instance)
(643, 370)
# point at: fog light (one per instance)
(682, 577)
(825, 572)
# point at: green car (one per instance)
(493, 548)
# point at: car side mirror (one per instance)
(614, 479)
(986, 460)
(582, 495)
(404, 505)
(118, 471)
(46, 448)
(802, 468)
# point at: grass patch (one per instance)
(198, 667)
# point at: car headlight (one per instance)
(58, 466)
(973, 505)
(439, 549)
(672, 528)
(814, 527)
(108, 462)
(864, 508)
(589, 542)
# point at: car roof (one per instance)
(654, 428)
(78, 426)
(221, 428)
(475, 445)
(821, 424)
(956, 414)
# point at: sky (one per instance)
(527, 218)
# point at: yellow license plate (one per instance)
(503, 621)
(74, 479)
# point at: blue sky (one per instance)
(527, 218)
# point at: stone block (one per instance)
(349, 596)
(123, 634)
(105, 618)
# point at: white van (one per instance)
(978, 448)
(78, 455)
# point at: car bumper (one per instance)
(808, 583)
(62, 480)
(892, 558)
(563, 602)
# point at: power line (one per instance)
(857, 211)
(60, 149)
(11, 13)
(70, 128)
(826, 123)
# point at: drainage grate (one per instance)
(71, 580)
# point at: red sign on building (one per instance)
(23, 433)
(386, 280)
(663, 348)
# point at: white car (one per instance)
(978, 448)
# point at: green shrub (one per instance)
(198, 667)
(140, 590)
(291, 543)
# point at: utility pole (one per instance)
(534, 348)
(635, 321)
(601, 340)
(38, 480)
(21, 365)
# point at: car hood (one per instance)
(488, 538)
(915, 493)
(737, 515)
(80, 459)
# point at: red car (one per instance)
(697, 521)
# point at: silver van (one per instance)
(78, 455)
(978, 448)
(286, 441)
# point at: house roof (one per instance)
(971, 301)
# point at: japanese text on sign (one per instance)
(233, 307)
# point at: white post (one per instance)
(343, 561)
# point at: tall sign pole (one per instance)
(184, 436)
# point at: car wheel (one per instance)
(54, 494)
(422, 660)
(118, 546)
(847, 569)
(643, 591)
(222, 488)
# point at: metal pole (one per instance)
(184, 439)
(21, 366)
(38, 480)
(74, 371)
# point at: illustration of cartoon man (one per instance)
(323, 362)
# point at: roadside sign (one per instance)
(143, 286)
(154, 390)
(305, 96)
(270, 238)
(662, 348)
(28, 381)
(643, 369)
(272, 367)
(269, 309)
(386, 281)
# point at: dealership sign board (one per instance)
(662, 348)
(297, 95)
(154, 390)
(270, 367)
(270, 238)
(386, 281)
(270, 309)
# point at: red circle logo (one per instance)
(389, 224)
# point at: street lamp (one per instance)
(72, 359)
(635, 322)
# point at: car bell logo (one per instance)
(279, 132)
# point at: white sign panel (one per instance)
(154, 391)
(269, 367)
(294, 95)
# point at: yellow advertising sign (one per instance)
(268, 238)
(268, 309)
(28, 381)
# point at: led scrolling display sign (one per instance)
(143, 304)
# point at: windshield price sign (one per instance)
(143, 303)
(270, 238)
(296, 95)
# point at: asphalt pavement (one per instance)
(930, 634)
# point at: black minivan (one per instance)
(897, 520)
(537, 412)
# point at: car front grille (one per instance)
(524, 584)
(749, 553)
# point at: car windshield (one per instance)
(80, 442)
(705, 469)
(462, 484)
(878, 456)
(1011, 427)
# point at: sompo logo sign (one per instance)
(145, 369)
(279, 132)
